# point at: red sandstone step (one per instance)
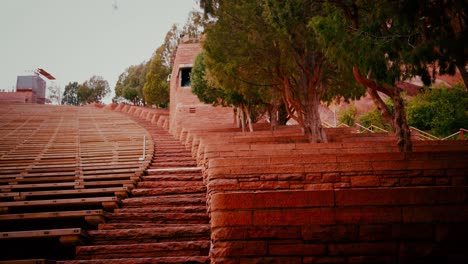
(173, 164)
(162, 260)
(174, 177)
(158, 209)
(168, 184)
(170, 200)
(128, 225)
(148, 235)
(179, 158)
(166, 249)
(181, 170)
(160, 218)
(170, 190)
(173, 157)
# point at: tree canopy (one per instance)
(131, 82)
(93, 90)
(70, 94)
(265, 51)
(393, 41)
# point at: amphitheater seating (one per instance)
(272, 196)
(62, 169)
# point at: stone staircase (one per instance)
(163, 221)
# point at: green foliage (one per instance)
(261, 48)
(70, 94)
(396, 40)
(92, 90)
(374, 117)
(440, 110)
(348, 115)
(130, 84)
(156, 88)
(200, 87)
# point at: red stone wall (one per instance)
(386, 225)
(274, 167)
(17, 97)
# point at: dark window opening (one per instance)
(192, 110)
(185, 77)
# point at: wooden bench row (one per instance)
(67, 236)
(93, 217)
(108, 203)
(65, 169)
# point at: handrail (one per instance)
(379, 128)
(342, 125)
(142, 158)
(454, 134)
(422, 134)
(461, 132)
(365, 128)
(425, 135)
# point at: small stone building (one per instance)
(186, 110)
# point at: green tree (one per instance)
(374, 117)
(70, 94)
(131, 82)
(264, 50)
(368, 36)
(195, 24)
(348, 115)
(156, 88)
(440, 110)
(92, 90)
(391, 41)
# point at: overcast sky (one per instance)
(75, 39)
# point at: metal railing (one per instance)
(461, 132)
(424, 135)
(421, 134)
(142, 158)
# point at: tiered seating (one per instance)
(62, 170)
(165, 219)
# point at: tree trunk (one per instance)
(398, 119)
(273, 117)
(313, 124)
(242, 119)
(283, 116)
(273, 110)
(249, 118)
(400, 124)
(464, 74)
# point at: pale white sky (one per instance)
(75, 39)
